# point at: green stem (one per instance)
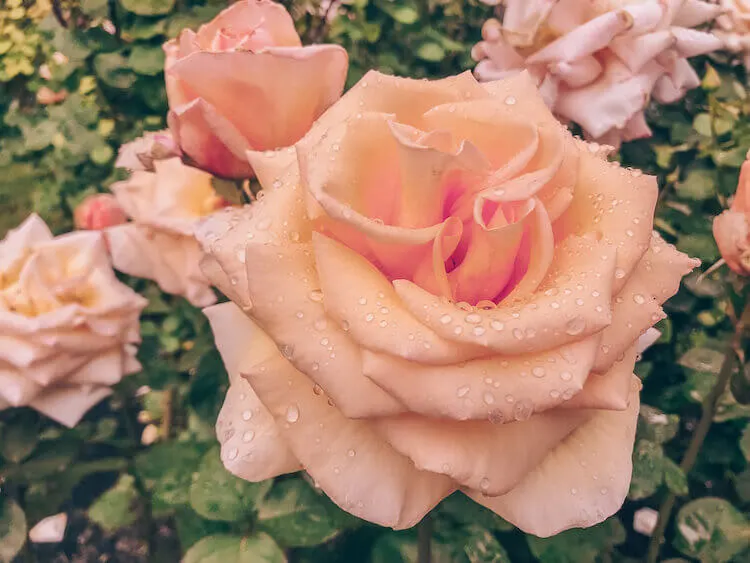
(424, 540)
(710, 404)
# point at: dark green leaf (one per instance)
(117, 507)
(12, 529)
(259, 548)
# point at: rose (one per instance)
(598, 63)
(732, 229)
(158, 244)
(141, 153)
(98, 212)
(733, 26)
(433, 261)
(68, 327)
(244, 81)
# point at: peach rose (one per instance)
(165, 206)
(437, 277)
(732, 228)
(141, 153)
(733, 27)
(599, 62)
(97, 212)
(68, 328)
(243, 81)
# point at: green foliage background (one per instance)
(173, 499)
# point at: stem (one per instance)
(424, 540)
(710, 403)
(167, 413)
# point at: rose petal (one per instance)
(347, 459)
(483, 456)
(251, 444)
(637, 306)
(608, 390)
(67, 405)
(581, 482)
(501, 388)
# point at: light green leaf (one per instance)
(259, 548)
(116, 508)
(113, 70)
(12, 530)
(148, 7)
(648, 469)
(699, 184)
(216, 494)
(712, 530)
(147, 60)
(578, 546)
(167, 471)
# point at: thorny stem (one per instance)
(424, 540)
(733, 353)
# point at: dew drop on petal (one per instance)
(247, 415)
(445, 319)
(292, 414)
(462, 391)
(248, 436)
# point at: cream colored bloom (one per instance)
(68, 327)
(441, 290)
(733, 27)
(158, 244)
(598, 63)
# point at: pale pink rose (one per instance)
(437, 277)
(141, 153)
(159, 244)
(598, 63)
(733, 27)
(97, 212)
(243, 81)
(68, 328)
(732, 228)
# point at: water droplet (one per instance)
(324, 341)
(263, 224)
(573, 491)
(320, 324)
(510, 100)
(233, 453)
(287, 350)
(579, 301)
(247, 415)
(496, 416)
(383, 324)
(292, 414)
(248, 436)
(479, 330)
(362, 301)
(509, 398)
(484, 484)
(538, 371)
(458, 330)
(639, 299)
(462, 391)
(300, 314)
(518, 333)
(385, 310)
(523, 410)
(566, 376)
(369, 317)
(445, 319)
(554, 305)
(575, 326)
(473, 318)
(317, 389)
(603, 491)
(316, 295)
(351, 453)
(497, 325)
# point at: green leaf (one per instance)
(148, 60)
(116, 507)
(674, 478)
(113, 70)
(148, 7)
(578, 546)
(648, 469)
(699, 184)
(296, 516)
(12, 530)
(745, 442)
(430, 51)
(712, 530)
(19, 436)
(480, 546)
(740, 385)
(462, 510)
(656, 426)
(702, 124)
(216, 494)
(167, 471)
(703, 360)
(401, 547)
(259, 548)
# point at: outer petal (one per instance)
(346, 458)
(67, 405)
(480, 455)
(271, 97)
(637, 305)
(251, 445)
(170, 260)
(732, 235)
(255, 17)
(581, 482)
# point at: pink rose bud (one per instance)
(98, 212)
(244, 82)
(732, 228)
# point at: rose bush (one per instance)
(440, 289)
(68, 328)
(244, 81)
(599, 63)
